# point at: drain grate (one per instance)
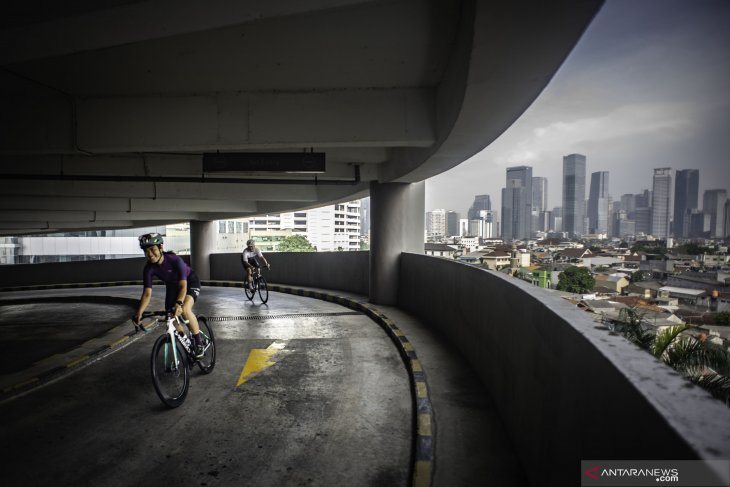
(281, 316)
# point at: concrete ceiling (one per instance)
(110, 105)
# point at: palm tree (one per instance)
(631, 325)
(696, 358)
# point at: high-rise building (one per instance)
(628, 203)
(622, 226)
(486, 225)
(642, 220)
(517, 204)
(661, 197)
(713, 204)
(556, 219)
(686, 194)
(539, 202)
(643, 199)
(329, 228)
(574, 193)
(598, 203)
(481, 202)
(699, 224)
(436, 224)
(726, 227)
(452, 223)
(365, 216)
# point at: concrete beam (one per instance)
(201, 191)
(221, 121)
(232, 121)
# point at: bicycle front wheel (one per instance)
(250, 293)
(263, 290)
(207, 362)
(170, 372)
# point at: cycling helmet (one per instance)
(249, 243)
(149, 239)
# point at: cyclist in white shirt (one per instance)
(249, 259)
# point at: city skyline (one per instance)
(646, 87)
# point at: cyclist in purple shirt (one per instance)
(182, 285)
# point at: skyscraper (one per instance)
(686, 193)
(436, 224)
(574, 193)
(481, 202)
(661, 196)
(598, 203)
(452, 223)
(517, 204)
(539, 202)
(713, 204)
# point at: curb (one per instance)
(424, 425)
(60, 370)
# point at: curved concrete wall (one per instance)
(566, 389)
(342, 271)
(72, 272)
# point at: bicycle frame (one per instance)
(171, 329)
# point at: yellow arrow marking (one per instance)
(258, 360)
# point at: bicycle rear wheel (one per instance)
(170, 377)
(263, 290)
(207, 361)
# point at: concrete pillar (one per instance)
(202, 242)
(396, 225)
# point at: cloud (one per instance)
(649, 121)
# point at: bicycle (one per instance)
(259, 284)
(170, 365)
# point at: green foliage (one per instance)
(702, 362)
(602, 268)
(631, 321)
(637, 276)
(649, 249)
(295, 243)
(723, 318)
(364, 246)
(576, 280)
(693, 249)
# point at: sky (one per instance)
(647, 86)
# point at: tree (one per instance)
(723, 318)
(637, 276)
(295, 243)
(576, 280)
(696, 358)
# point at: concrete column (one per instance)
(202, 242)
(396, 225)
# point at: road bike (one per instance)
(259, 284)
(173, 356)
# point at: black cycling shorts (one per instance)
(172, 289)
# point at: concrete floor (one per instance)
(334, 408)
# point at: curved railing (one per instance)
(566, 388)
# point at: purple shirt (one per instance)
(173, 269)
